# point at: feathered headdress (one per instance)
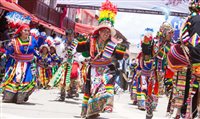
(16, 19)
(49, 40)
(147, 37)
(107, 15)
(35, 33)
(147, 42)
(164, 28)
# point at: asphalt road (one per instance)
(44, 104)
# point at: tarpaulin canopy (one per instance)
(12, 6)
(135, 6)
(83, 28)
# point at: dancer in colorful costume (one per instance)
(44, 66)
(55, 60)
(62, 76)
(164, 38)
(144, 71)
(19, 80)
(2, 62)
(138, 96)
(101, 74)
(74, 80)
(184, 60)
(147, 78)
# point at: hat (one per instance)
(44, 46)
(164, 28)
(49, 40)
(107, 16)
(52, 46)
(35, 33)
(22, 27)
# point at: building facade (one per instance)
(47, 10)
(134, 49)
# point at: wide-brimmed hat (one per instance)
(53, 46)
(104, 26)
(44, 46)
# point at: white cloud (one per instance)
(132, 25)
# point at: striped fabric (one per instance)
(85, 100)
(70, 60)
(180, 89)
(109, 49)
(185, 32)
(110, 88)
(42, 76)
(176, 58)
(23, 57)
(194, 40)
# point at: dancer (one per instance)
(62, 76)
(44, 66)
(135, 83)
(19, 80)
(164, 38)
(184, 59)
(74, 81)
(55, 60)
(99, 87)
(144, 72)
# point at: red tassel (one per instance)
(156, 88)
(150, 88)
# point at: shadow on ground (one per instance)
(66, 101)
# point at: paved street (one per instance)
(43, 104)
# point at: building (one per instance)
(88, 17)
(85, 20)
(48, 11)
(134, 49)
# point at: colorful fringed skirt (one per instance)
(141, 92)
(134, 90)
(99, 91)
(19, 80)
(44, 76)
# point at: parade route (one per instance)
(43, 104)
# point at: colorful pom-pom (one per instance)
(108, 12)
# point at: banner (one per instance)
(176, 23)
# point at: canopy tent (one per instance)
(12, 6)
(83, 28)
(133, 6)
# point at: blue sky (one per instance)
(132, 25)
